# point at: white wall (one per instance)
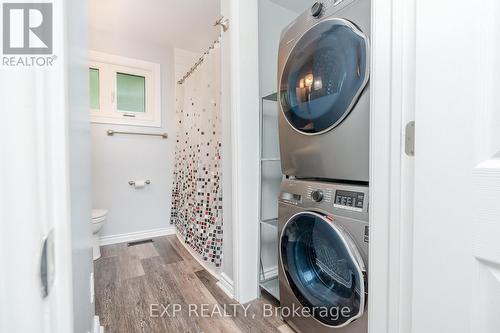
(272, 19)
(244, 91)
(118, 159)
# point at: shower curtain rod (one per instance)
(224, 24)
(199, 62)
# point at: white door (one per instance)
(456, 266)
(35, 174)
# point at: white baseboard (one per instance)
(226, 284)
(136, 236)
(97, 326)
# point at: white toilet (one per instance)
(98, 219)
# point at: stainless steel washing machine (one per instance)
(324, 103)
(323, 256)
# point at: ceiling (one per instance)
(184, 24)
(297, 6)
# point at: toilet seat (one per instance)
(97, 222)
(99, 215)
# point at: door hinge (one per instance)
(410, 139)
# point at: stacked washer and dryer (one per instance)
(323, 98)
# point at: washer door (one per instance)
(324, 76)
(323, 268)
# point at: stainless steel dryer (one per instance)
(323, 256)
(324, 103)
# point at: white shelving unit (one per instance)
(270, 181)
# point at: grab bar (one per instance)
(163, 135)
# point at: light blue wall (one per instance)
(118, 159)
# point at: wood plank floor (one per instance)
(131, 283)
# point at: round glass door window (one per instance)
(324, 76)
(322, 269)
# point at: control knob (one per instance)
(317, 195)
(317, 9)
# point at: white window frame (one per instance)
(108, 113)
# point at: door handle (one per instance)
(47, 264)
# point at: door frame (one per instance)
(242, 83)
(391, 170)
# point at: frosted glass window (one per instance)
(124, 91)
(94, 88)
(131, 92)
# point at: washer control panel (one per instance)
(349, 200)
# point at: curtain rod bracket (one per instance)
(224, 23)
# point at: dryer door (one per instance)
(323, 268)
(324, 76)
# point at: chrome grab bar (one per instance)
(163, 135)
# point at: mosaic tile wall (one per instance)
(197, 190)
